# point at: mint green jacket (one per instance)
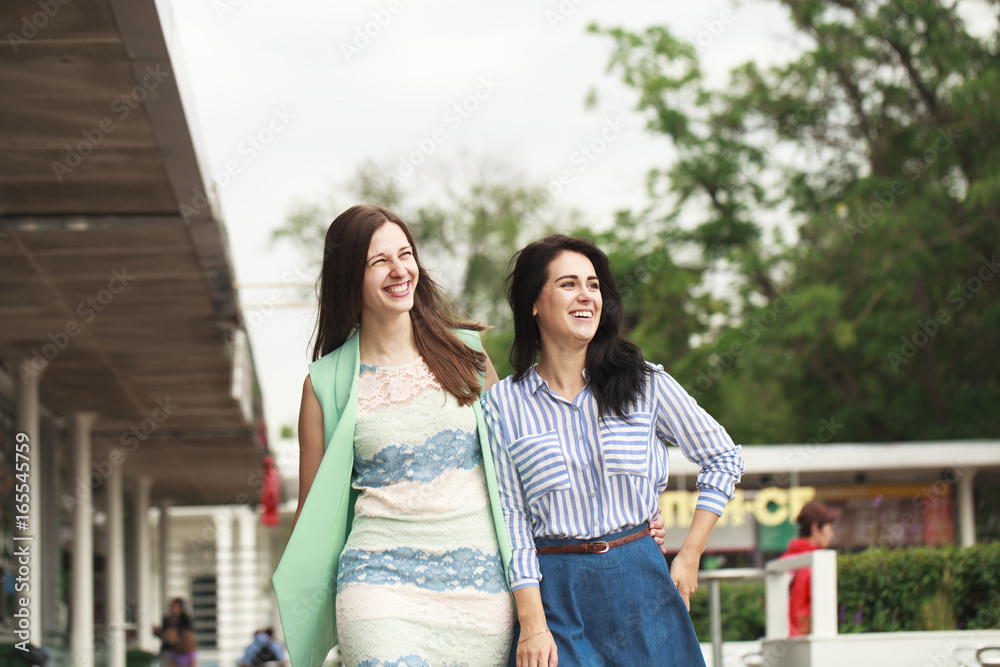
(305, 581)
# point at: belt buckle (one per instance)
(605, 545)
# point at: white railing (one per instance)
(714, 579)
(824, 593)
(776, 577)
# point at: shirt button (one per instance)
(593, 495)
(580, 437)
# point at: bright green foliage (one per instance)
(849, 200)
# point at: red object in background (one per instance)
(939, 527)
(270, 494)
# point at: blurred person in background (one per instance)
(815, 522)
(263, 650)
(176, 632)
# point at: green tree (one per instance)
(849, 199)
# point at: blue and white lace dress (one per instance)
(420, 581)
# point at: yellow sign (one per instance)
(770, 506)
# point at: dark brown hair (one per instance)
(345, 254)
(615, 367)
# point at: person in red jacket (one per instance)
(815, 532)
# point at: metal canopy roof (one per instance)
(114, 265)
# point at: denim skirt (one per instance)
(616, 608)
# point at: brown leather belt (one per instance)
(593, 547)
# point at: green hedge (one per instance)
(742, 611)
(924, 588)
(882, 590)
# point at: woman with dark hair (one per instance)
(578, 441)
(399, 548)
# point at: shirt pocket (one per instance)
(541, 461)
(625, 444)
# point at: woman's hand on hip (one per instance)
(657, 531)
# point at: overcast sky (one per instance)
(286, 99)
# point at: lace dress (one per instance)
(420, 581)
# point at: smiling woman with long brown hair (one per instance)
(398, 550)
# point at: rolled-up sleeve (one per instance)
(680, 420)
(524, 569)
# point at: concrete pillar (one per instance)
(146, 615)
(115, 563)
(82, 583)
(50, 492)
(229, 635)
(247, 586)
(966, 509)
(164, 547)
(29, 537)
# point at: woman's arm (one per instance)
(535, 646)
(513, 499)
(684, 568)
(703, 441)
(310, 443)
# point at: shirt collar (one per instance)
(534, 381)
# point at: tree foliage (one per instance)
(876, 305)
(819, 261)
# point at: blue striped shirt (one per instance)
(564, 474)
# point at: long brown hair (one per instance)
(456, 366)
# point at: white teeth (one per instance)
(582, 315)
(398, 289)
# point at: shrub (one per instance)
(924, 588)
(742, 611)
(882, 590)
